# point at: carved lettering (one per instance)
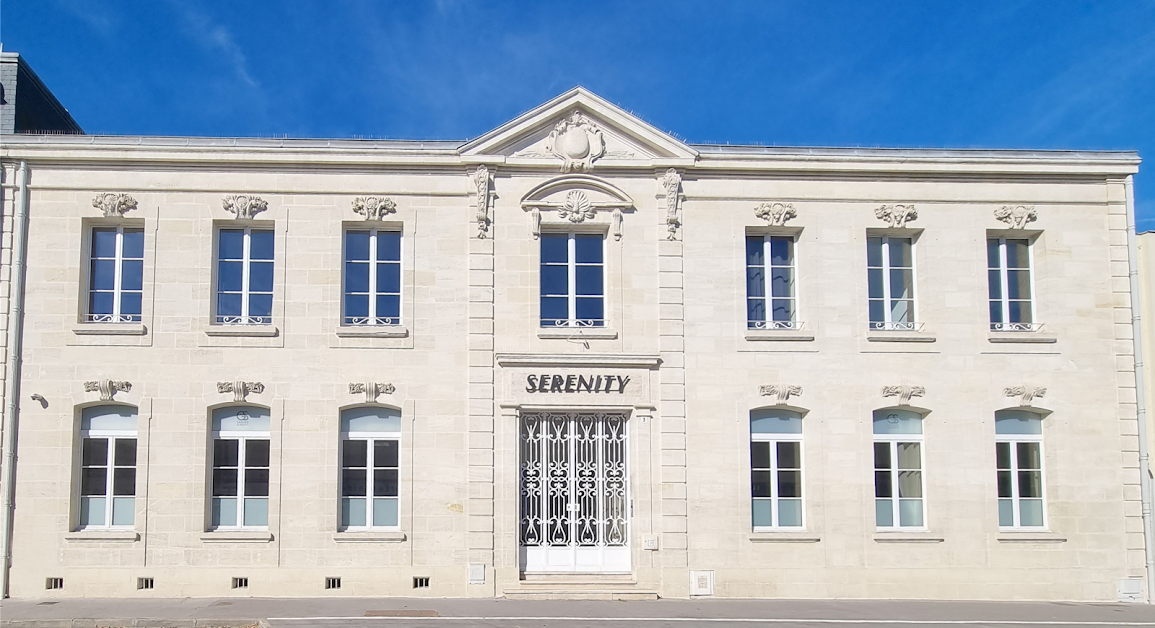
(551, 383)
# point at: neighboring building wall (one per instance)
(1146, 266)
(28, 106)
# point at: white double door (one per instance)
(574, 489)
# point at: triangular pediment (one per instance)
(579, 131)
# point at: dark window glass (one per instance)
(355, 453)
(353, 483)
(94, 452)
(790, 484)
(231, 244)
(385, 453)
(94, 481)
(124, 481)
(357, 245)
(760, 483)
(389, 246)
(789, 456)
(224, 482)
(588, 249)
(760, 455)
(260, 245)
(125, 452)
(554, 248)
(257, 453)
(754, 253)
(256, 482)
(385, 482)
(226, 452)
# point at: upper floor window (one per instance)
(776, 469)
(1019, 459)
(245, 276)
(770, 296)
(572, 280)
(898, 481)
(107, 467)
(240, 467)
(116, 275)
(372, 277)
(1009, 282)
(890, 274)
(370, 461)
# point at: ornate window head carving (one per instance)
(1016, 216)
(576, 207)
(374, 207)
(782, 392)
(371, 390)
(240, 389)
(577, 141)
(904, 393)
(775, 214)
(114, 205)
(897, 216)
(1026, 394)
(107, 387)
(244, 207)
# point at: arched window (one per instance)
(775, 468)
(240, 459)
(898, 478)
(107, 467)
(370, 457)
(1019, 459)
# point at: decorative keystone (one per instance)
(240, 389)
(371, 390)
(114, 205)
(107, 388)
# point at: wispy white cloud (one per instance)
(96, 16)
(216, 38)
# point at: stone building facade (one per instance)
(572, 357)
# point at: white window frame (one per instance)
(767, 271)
(892, 441)
(110, 465)
(888, 323)
(117, 290)
(373, 262)
(246, 260)
(1016, 514)
(571, 264)
(370, 438)
(242, 437)
(1004, 283)
(774, 439)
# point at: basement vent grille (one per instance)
(53, 583)
(240, 583)
(332, 583)
(144, 583)
(421, 582)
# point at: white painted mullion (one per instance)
(118, 257)
(895, 488)
(571, 264)
(369, 463)
(774, 493)
(1004, 278)
(886, 296)
(372, 277)
(241, 471)
(245, 256)
(108, 495)
(768, 306)
(1016, 519)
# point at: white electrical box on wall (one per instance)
(702, 582)
(1130, 589)
(476, 573)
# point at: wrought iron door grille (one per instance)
(573, 479)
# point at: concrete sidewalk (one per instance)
(237, 611)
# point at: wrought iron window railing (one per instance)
(1027, 327)
(791, 325)
(368, 321)
(244, 320)
(112, 318)
(895, 326)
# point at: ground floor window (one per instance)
(240, 467)
(1019, 459)
(898, 478)
(107, 467)
(776, 468)
(370, 461)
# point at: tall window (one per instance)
(898, 481)
(1019, 458)
(890, 274)
(372, 277)
(370, 455)
(107, 467)
(770, 297)
(1009, 281)
(245, 276)
(572, 280)
(240, 459)
(116, 275)
(776, 468)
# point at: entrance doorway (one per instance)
(574, 492)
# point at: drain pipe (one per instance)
(12, 370)
(1140, 394)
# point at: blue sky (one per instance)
(990, 74)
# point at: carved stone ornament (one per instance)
(781, 391)
(904, 393)
(483, 180)
(371, 390)
(896, 216)
(107, 388)
(374, 207)
(576, 207)
(240, 389)
(244, 207)
(114, 205)
(1025, 393)
(775, 214)
(578, 141)
(672, 184)
(1018, 216)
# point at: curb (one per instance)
(133, 623)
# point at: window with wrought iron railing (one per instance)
(372, 294)
(572, 280)
(116, 275)
(244, 277)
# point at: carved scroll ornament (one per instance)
(107, 388)
(240, 389)
(374, 207)
(1026, 394)
(244, 207)
(1017, 216)
(114, 205)
(577, 141)
(775, 214)
(782, 392)
(672, 184)
(904, 393)
(896, 216)
(482, 179)
(371, 390)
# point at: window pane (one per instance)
(357, 245)
(1005, 484)
(1018, 422)
(356, 305)
(902, 311)
(781, 251)
(256, 453)
(94, 451)
(229, 277)
(225, 452)
(1031, 512)
(754, 254)
(224, 482)
(229, 304)
(588, 280)
(104, 242)
(1028, 454)
(554, 308)
(789, 456)
(874, 252)
(261, 305)
(353, 512)
(1017, 254)
(881, 455)
(897, 421)
(555, 280)
(790, 484)
(231, 244)
(257, 511)
(877, 311)
(371, 419)
(755, 281)
(1020, 311)
(356, 277)
(782, 282)
(762, 511)
(908, 456)
(901, 284)
(1018, 284)
(389, 278)
(783, 309)
(133, 244)
(94, 481)
(875, 284)
(385, 512)
(910, 483)
(589, 308)
(131, 275)
(554, 247)
(103, 274)
(756, 310)
(994, 284)
(996, 311)
(257, 482)
(124, 481)
(775, 422)
(355, 453)
(588, 249)
(261, 245)
(790, 512)
(261, 277)
(389, 306)
(389, 246)
(901, 253)
(882, 487)
(100, 303)
(224, 512)
(130, 304)
(993, 253)
(759, 455)
(883, 513)
(385, 482)
(353, 483)
(123, 511)
(1006, 512)
(760, 483)
(92, 511)
(910, 512)
(1030, 484)
(385, 453)
(125, 452)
